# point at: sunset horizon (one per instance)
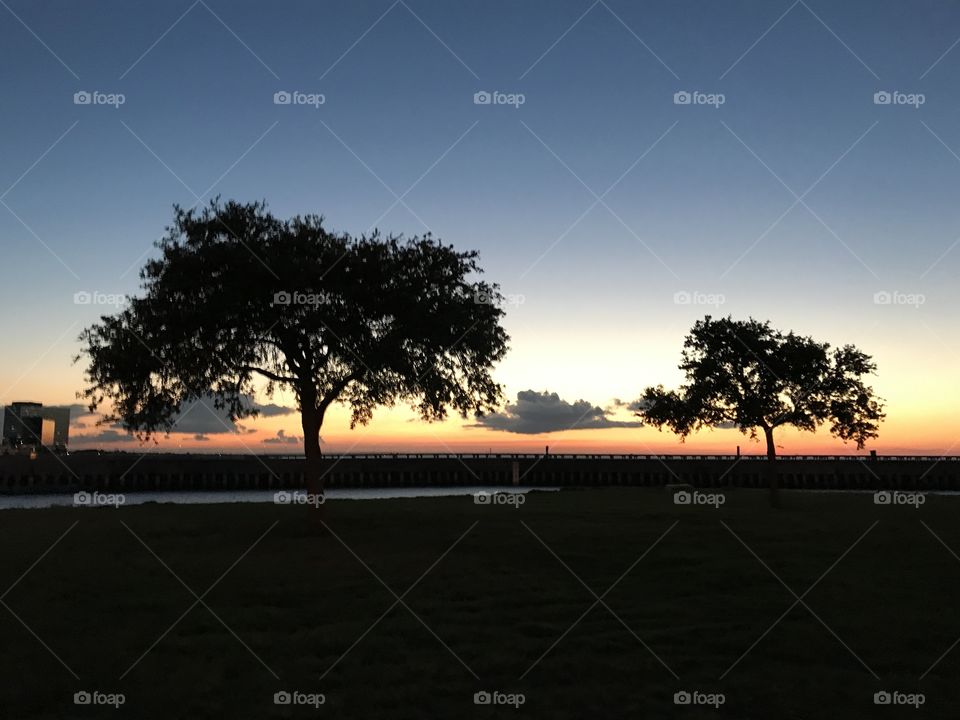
(804, 184)
(476, 358)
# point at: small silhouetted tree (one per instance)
(747, 375)
(239, 297)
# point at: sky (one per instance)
(639, 165)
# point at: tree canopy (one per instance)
(746, 374)
(239, 298)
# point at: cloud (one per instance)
(112, 434)
(273, 410)
(544, 412)
(77, 412)
(199, 418)
(633, 405)
(283, 439)
(203, 418)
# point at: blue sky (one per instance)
(698, 198)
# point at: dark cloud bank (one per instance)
(201, 420)
(545, 412)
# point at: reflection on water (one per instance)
(8, 502)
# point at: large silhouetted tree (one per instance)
(238, 297)
(747, 375)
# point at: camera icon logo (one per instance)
(682, 697)
(682, 497)
(882, 298)
(282, 698)
(482, 498)
(482, 698)
(882, 97)
(482, 298)
(282, 298)
(81, 498)
(282, 97)
(882, 498)
(282, 498)
(82, 698)
(682, 97)
(82, 98)
(82, 298)
(482, 98)
(681, 298)
(882, 698)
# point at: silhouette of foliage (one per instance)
(238, 296)
(750, 376)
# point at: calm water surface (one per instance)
(9, 502)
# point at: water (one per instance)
(10, 502)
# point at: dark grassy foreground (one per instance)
(498, 601)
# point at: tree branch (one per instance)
(267, 374)
(338, 387)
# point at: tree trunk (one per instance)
(772, 476)
(313, 466)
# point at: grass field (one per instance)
(501, 601)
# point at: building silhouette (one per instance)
(30, 424)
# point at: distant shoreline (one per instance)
(508, 456)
